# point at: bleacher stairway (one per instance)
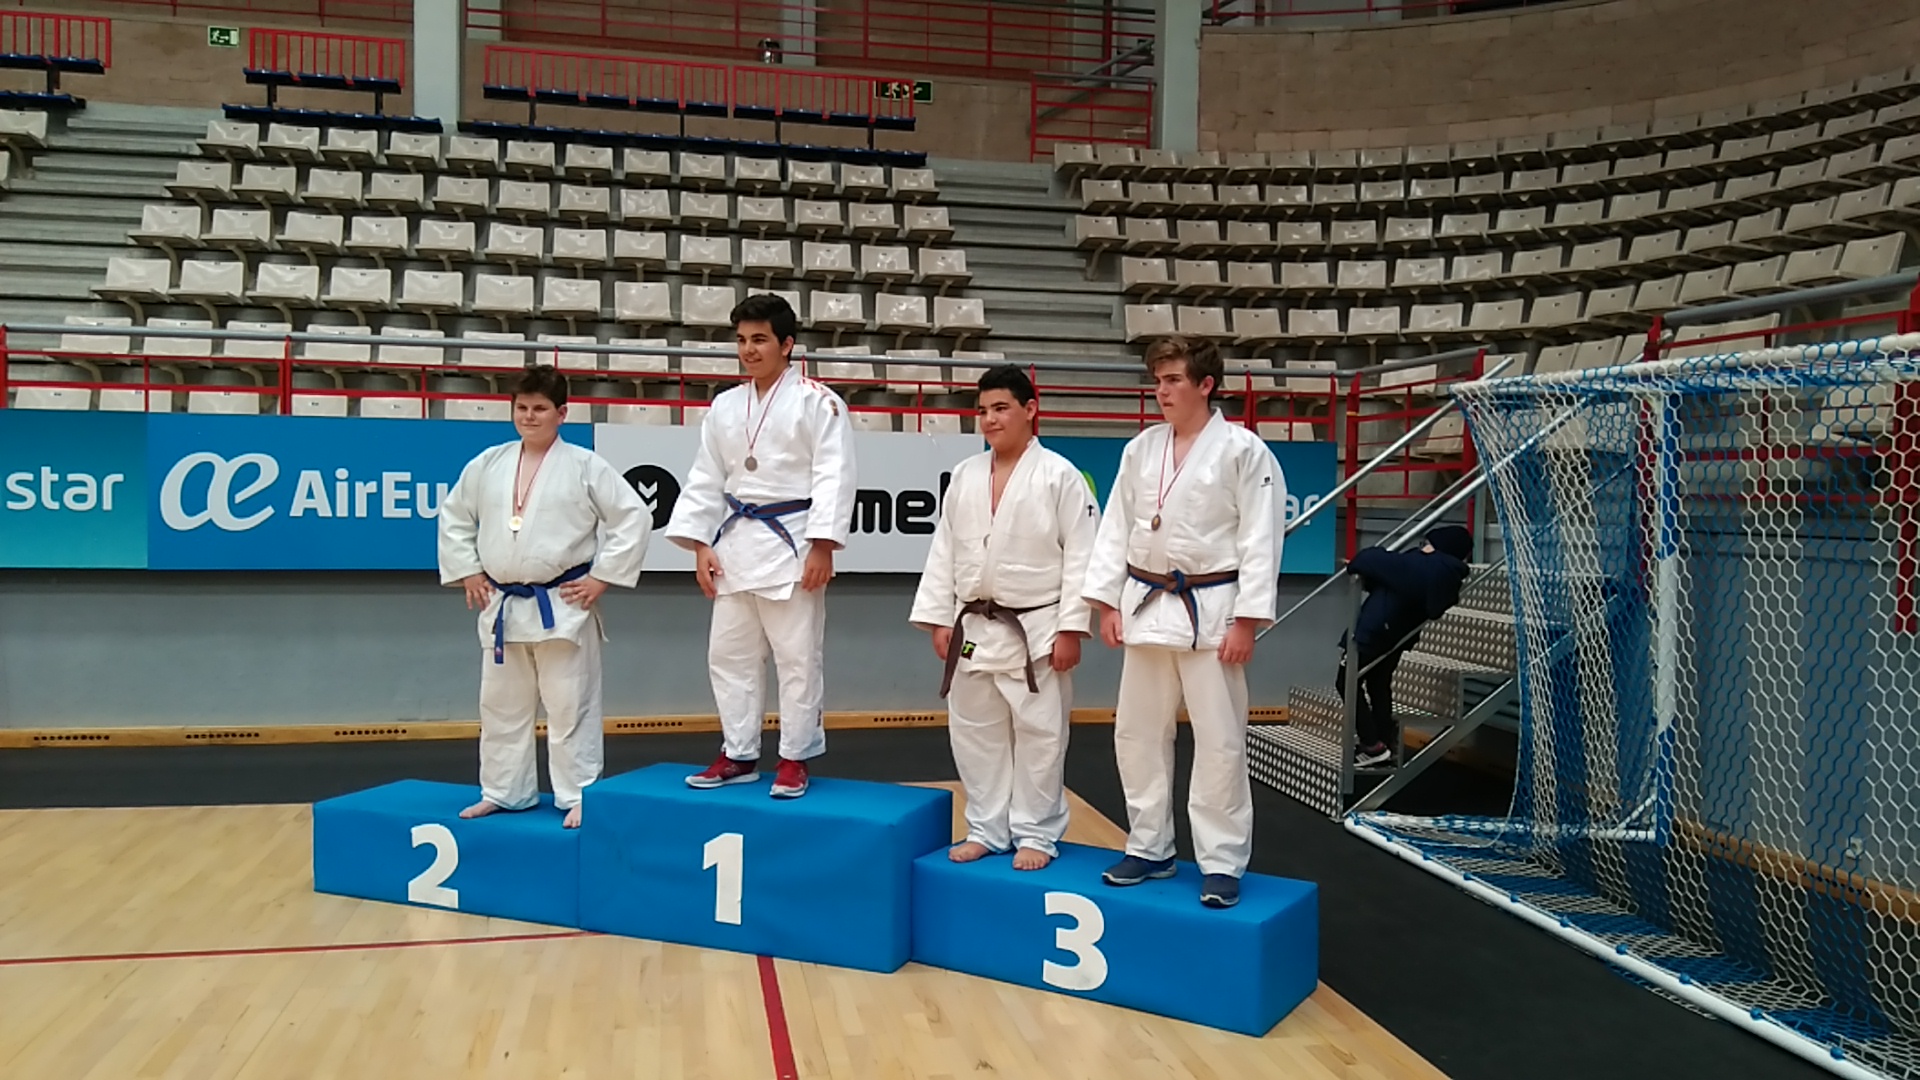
(1465, 661)
(60, 223)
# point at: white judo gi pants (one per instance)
(1153, 681)
(565, 678)
(746, 626)
(1010, 747)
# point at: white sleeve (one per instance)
(626, 525)
(1258, 542)
(1079, 517)
(459, 526)
(1107, 562)
(935, 602)
(831, 515)
(702, 506)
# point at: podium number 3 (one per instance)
(426, 888)
(727, 853)
(1089, 969)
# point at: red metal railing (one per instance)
(1103, 110)
(1420, 471)
(590, 75)
(63, 37)
(324, 12)
(1003, 37)
(337, 56)
(784, 91)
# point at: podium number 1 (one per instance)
(426, 888)
(1089, 969)
(727, 854)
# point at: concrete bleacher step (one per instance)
(46, 207)
(64, 253)
(63, 163)
(49, 284)
(47, 181)
(110, 232)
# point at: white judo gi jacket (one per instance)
(579, 510)
(1031, 553)
(1217, 514)
(803, 450)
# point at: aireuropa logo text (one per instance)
(233, 494)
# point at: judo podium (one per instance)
(1022, 565)
(855, 875)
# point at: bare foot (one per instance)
(479, 809)
(573, 819)
(970, 851)
(1028, 858)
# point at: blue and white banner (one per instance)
(305, 493)
(167, 492)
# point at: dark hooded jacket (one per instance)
(1406, 588)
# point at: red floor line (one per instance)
(783, 1067)
(282, 950)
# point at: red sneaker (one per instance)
(725, 771)
(790, 782)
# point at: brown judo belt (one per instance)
(994, 611)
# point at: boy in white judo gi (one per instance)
(1001, 596)
(1184, 573)
(768, 502)
(527, 521)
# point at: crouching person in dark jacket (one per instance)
(1404, 590)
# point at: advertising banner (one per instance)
(1310, 473)
(305, 493)
(173, 492)
(902, 479)
(75, 490)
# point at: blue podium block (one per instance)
(824, 878)
(405, 842)
(1150, 947)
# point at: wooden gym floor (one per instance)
(187, 942)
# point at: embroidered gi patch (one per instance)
(966, 650)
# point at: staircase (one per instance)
(1460, 676)
(62, 221)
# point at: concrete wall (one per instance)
(112, 649)
(168, 62)
(1535, 70)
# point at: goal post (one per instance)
(1712, 563)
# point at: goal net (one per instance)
(1714, 565)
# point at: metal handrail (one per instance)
(1758, 305)
(1468, 484)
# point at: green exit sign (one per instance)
(902, 90)
(223, 37)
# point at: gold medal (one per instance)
(514, 523)
(752, 463)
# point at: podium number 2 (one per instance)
(1089, 969)
(727, 853)
(426, 888)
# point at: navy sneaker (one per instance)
(1133, 870)
(1219, 890)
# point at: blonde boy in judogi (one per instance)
(1184, 573)
(768, 502)
(1001, 594)
(527, 521)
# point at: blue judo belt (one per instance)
(1181, 586)
(768, 514)
(539, 594)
